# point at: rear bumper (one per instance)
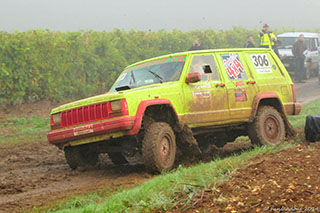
(297, 108)
(102, 127)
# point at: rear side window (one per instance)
(206, 66)
(234, 68)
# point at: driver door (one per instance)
(207, 99)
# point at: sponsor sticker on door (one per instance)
(240, 95)
(234, 67)
(201, 96)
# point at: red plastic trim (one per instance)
(109, 126)
(89, 113)
(258, 98)
(294, 93)
(141, 109)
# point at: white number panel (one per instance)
(261, 63)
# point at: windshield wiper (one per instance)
(156, 75)
(132, 77)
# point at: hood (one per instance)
(285, 52)
(143, 92)
(88, 101)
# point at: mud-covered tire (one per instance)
(80, 156)
(71, 157)
(159, 147)
(268, 127)
(117, 158)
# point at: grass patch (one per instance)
(16, 129)
(308, 109)
(78, 201)
(163, 191)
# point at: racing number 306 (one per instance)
(260, 60)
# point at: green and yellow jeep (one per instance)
(183, 101)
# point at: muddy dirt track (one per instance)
(35, 173)
(268, 184)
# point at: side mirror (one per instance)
(193, 77)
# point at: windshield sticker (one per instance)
(261, 63)
(234, 67)
(149, 81)
(240, 95)
(181, 58)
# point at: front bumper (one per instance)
(102, 127)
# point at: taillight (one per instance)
(294, 93)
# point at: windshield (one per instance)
(287, 42)
(158, 71)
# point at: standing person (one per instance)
(267, 38)
(276, 48)
(196, 46)
(298, 49)
(249, 43)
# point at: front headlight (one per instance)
(56, 118)
(116, 105)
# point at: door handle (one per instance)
(251, 82)
(220, 85)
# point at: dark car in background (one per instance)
(312, 61)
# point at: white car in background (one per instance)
(312, 61)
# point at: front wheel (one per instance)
(268, 128)
(159, 147)
(117, 158)
(80, 156)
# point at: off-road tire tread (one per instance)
(149, 143)
(75, 158)
(71, 157)
(255, 135)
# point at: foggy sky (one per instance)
(74, 15)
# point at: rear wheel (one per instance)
(268, 127)
(80, 156)
(159, 147)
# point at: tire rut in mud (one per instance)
(36, 174)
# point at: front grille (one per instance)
(85, 114)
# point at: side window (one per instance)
(206, 66)
(234, 68)
(313, 45)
